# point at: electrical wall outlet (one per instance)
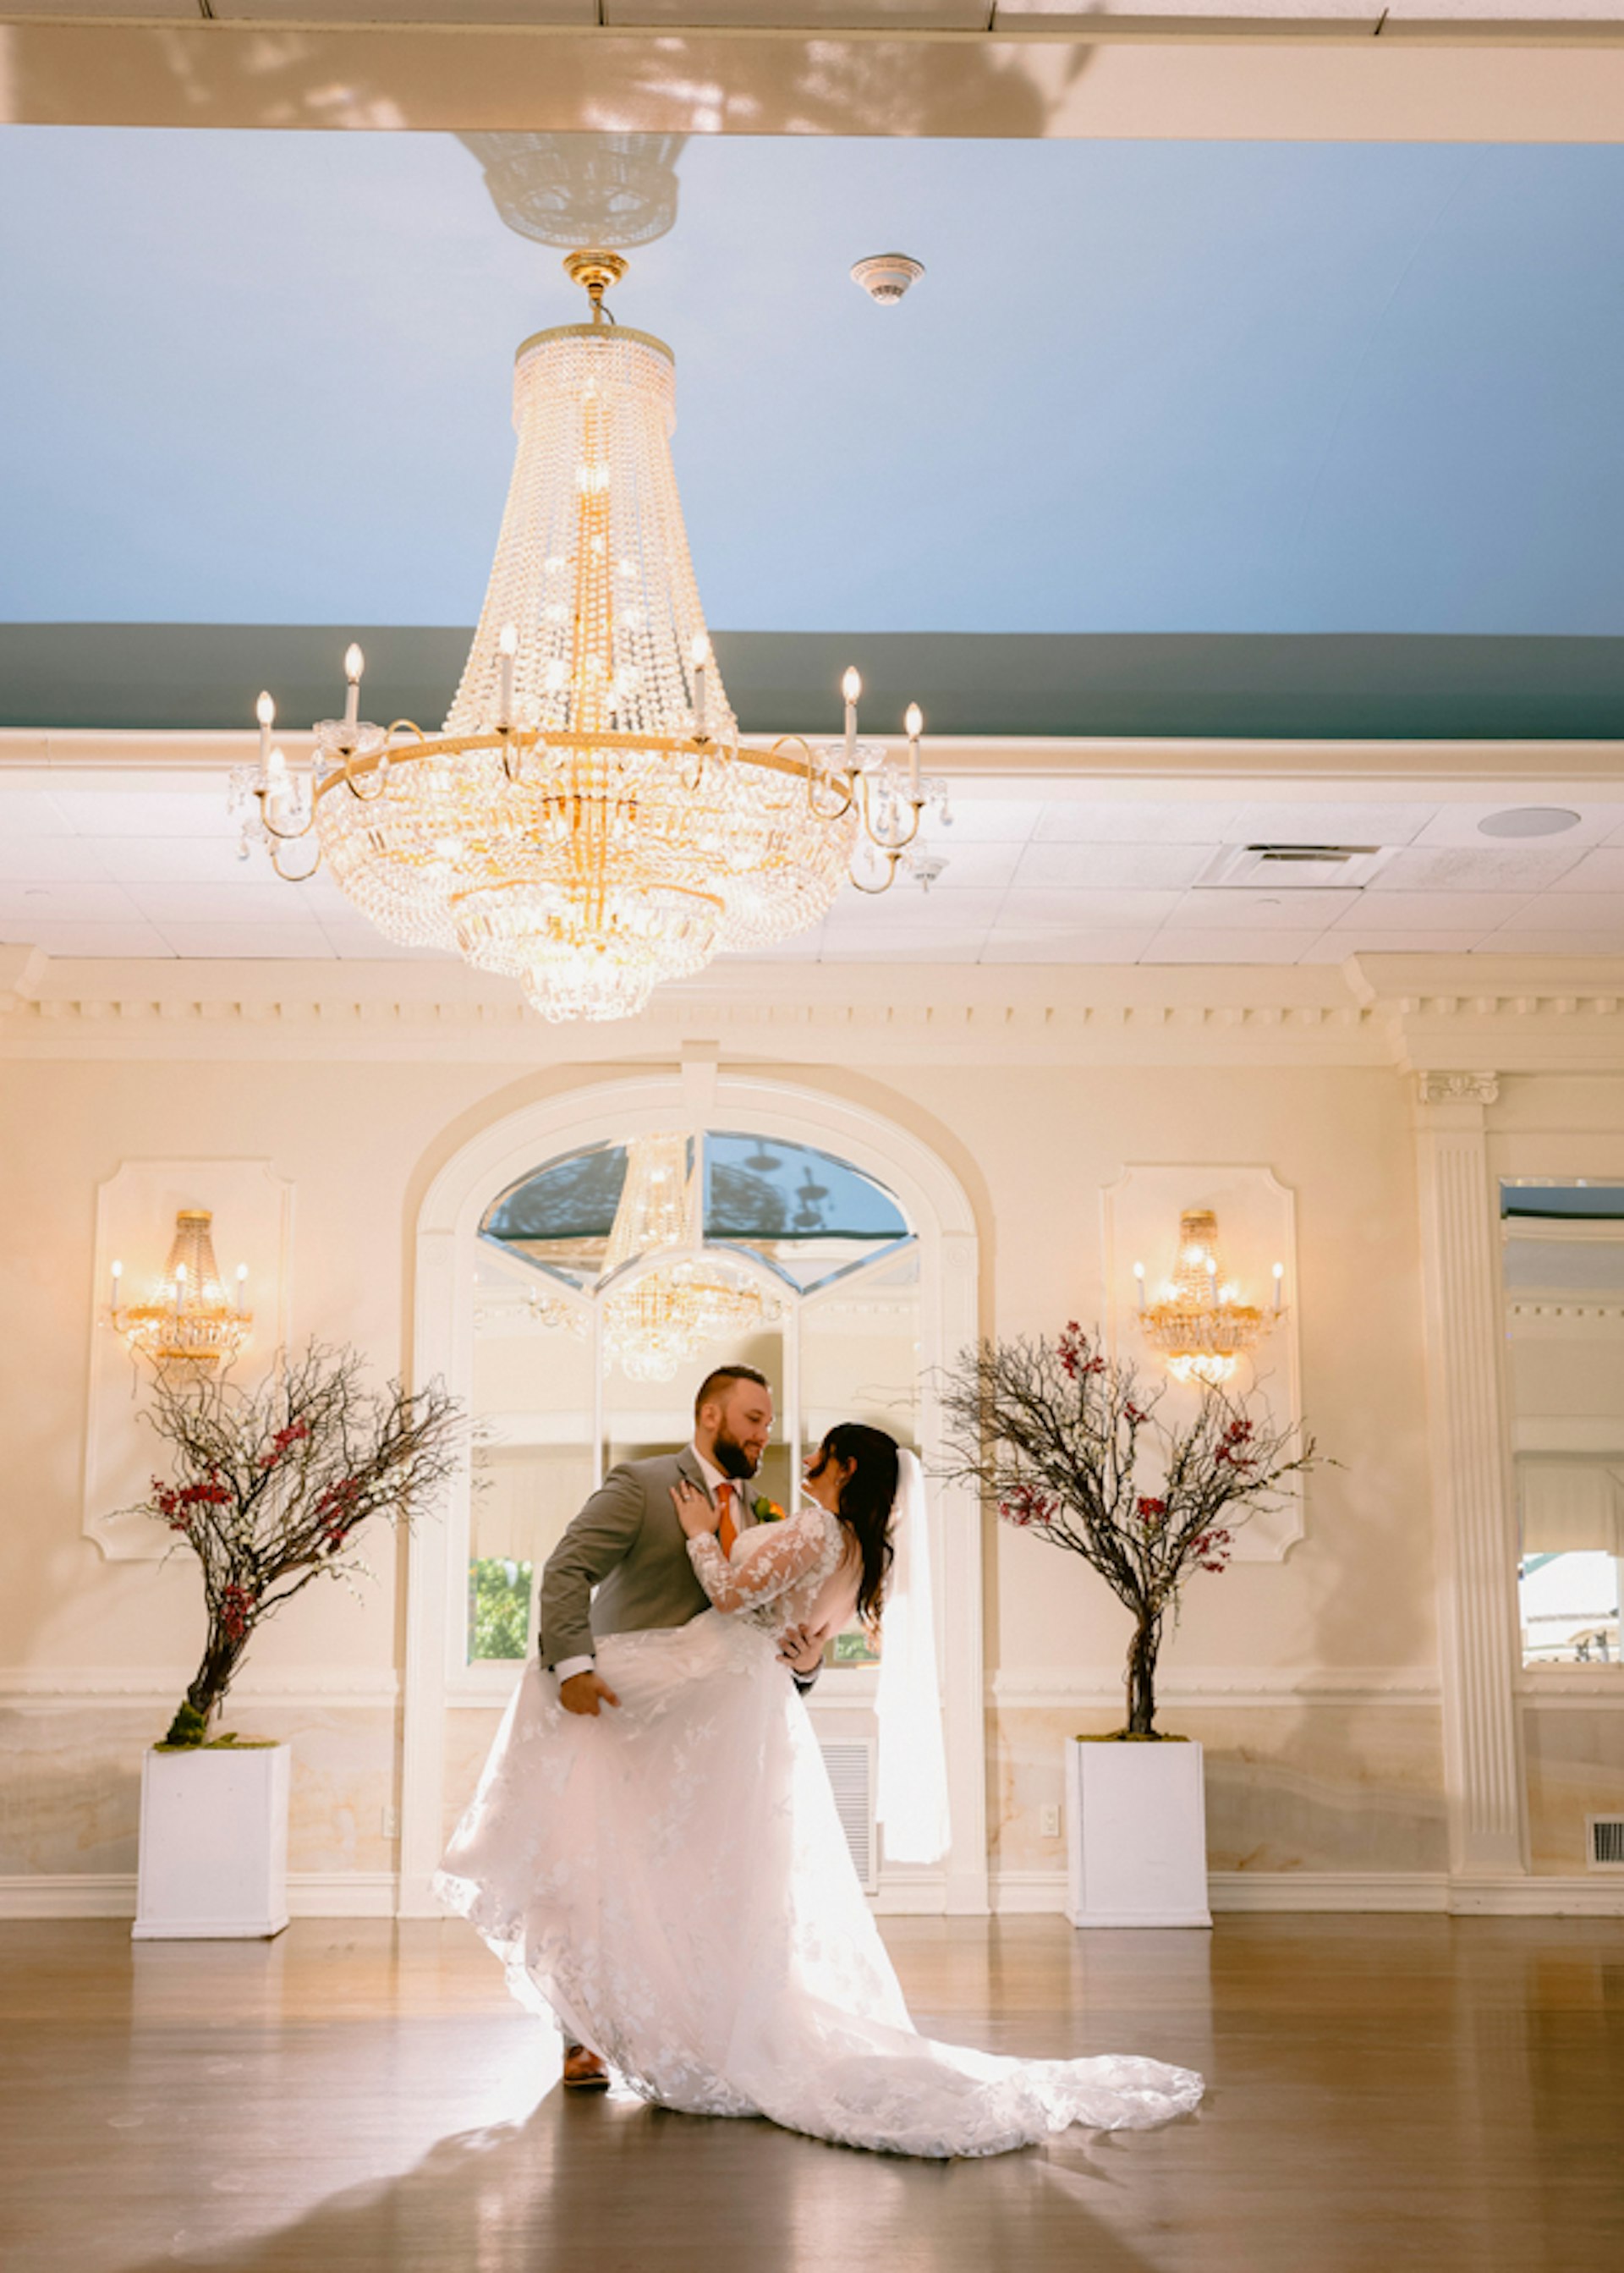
(1049, 1822)
(392, 1824)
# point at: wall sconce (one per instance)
(1199, 1328)
(189, 1321)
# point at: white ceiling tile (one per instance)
(241, 902)
(1467, 868)
(1434, 911)
(1171, 946)
(1457, 824)
(1304, 822)
(73, 902)
(1033, 912)
(1552, 942)
(1112, 868)
(50, 860)
(226, 942)
(907, 903)
(1112, 946)
(359, 942)
(908, 946)
(986, 820)
(1596, 911)
(122, 940)
(31, 813)
(1336, 945)
(988, 866)
(1601, 871)
(201, 811)
(1128, 821)
(1244, 909)
(180, 859)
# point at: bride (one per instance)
(672, 1880)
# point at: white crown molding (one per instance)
(1064, 1689)
(1445, 1019)
(146, 1686)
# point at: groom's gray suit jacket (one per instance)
(627, 1542)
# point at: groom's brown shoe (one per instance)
(583, 2070)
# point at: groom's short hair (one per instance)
(717, 1384)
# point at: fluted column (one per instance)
(1476, 1532)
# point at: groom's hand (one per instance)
(584, 1692)
(801, 1648)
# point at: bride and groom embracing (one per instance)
(654, 1850)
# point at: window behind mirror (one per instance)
(1562, 1249)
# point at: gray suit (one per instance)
(628, 1544)
(626, 1541)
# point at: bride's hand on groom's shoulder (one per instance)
(694, 1512)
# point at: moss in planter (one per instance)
(1132, 1737)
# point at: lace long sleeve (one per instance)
(801, 1548)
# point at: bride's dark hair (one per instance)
(866, 1498)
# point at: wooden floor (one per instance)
(1386, 2093)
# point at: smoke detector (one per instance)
(1529, 821)
(886, 276)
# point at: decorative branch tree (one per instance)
(1066, 1444)
(271, 1486)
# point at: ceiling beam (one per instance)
(1339, 79)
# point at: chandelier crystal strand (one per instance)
(583, 823)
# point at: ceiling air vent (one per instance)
(1605, 1837)
(1293, 867)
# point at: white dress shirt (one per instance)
(568, 1667)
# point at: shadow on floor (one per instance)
(616, 2187)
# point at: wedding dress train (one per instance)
(671, 1879)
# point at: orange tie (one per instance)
(727, 1530)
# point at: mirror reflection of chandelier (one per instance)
(589, 821)
(1199, 1328)
(189, 1321)
(657, 1320)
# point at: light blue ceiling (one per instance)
(1143, 387)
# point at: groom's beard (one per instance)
(731, 1458)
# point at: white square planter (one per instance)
(214, 1844)
(1135, 1834)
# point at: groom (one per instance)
(622, 1565)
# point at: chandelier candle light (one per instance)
(589, 821)
(1200, 1327)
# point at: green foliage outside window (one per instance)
(498, 1608)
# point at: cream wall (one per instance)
(1313, 1681)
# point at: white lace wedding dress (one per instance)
(671, 1879)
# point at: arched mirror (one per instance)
(611, 1276)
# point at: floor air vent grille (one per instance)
(850, 1765)
(1606, 1842)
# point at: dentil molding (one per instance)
(1442, 1018)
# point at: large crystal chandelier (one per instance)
(589, 822)
(1199, 1328)
(659, 1314)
